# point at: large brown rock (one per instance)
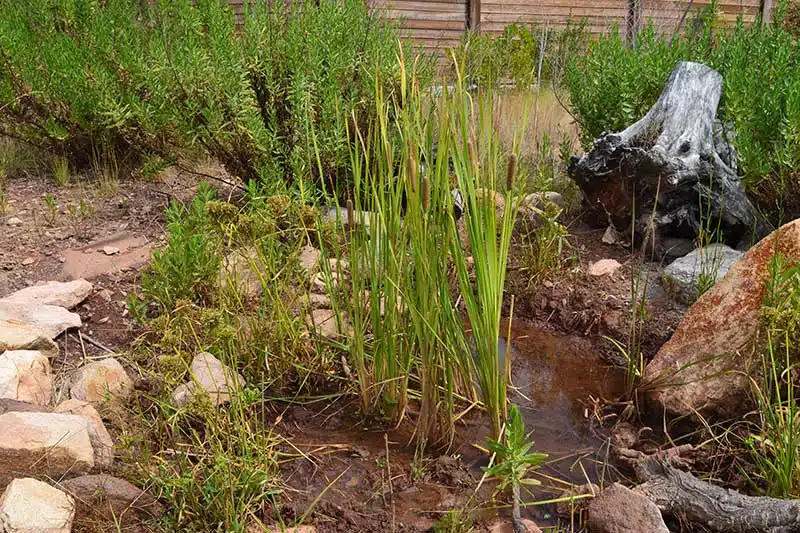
(703, 367)
(50, 444)
(620, 510)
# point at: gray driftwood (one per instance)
(676, 166)
(690, 499)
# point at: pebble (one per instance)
(28, 261)
(604, 267)
(14, 221)
(110, 250)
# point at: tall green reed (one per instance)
(478, 162)
(409, 339)
(776, 448)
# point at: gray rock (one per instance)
(309, 258)
(242, 270)
(212, 377)
(683, 276)
(25, 375)
(19, 336)
(540, 200)
(66, 295)
(50, 320)
(611, 236)
(32, 506)
(323, 322)
(620, 510)
(111, 497)
(603, 267)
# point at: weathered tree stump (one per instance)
(674, 171)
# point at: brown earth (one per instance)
(560, 358)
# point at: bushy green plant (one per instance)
(186, 268)
(268, 99)
(524, 54)
(612, 85)
(72, 77)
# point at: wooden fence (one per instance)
(441, 23)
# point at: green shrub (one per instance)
(187, 268)
(72, 78)
(612, 85)
(522, 54)
(268, 99)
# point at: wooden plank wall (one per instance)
(439, 24)
(666, 14)
(433, 24)
(600, 15)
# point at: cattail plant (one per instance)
(410, 343)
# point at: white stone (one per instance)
(323, 321)
(213, 377)
(14, 221)
(309, 258)
(243, 271)
(102, 444)
(15, 335)
(51, 444)
(110, 250)
(32, 506)
(66, 295)
(604, 267)
(611, 236)
(50, 320)
(683, 276)
(25, 375)
(101, 382)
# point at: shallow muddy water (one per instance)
(554, 376)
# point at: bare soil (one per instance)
(561, 362)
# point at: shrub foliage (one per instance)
(267, 97)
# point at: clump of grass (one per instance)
(408, 335)
(61, 170)
(51, 209)
(106, 169)
(407, 330)
(217, 467)
(542, 247)
(477, 162)
(776, 449)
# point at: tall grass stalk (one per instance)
(407, 332)
(478, 163)
(408, 336)
(776, 449)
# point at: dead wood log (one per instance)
(688, 498)
(674, 171)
